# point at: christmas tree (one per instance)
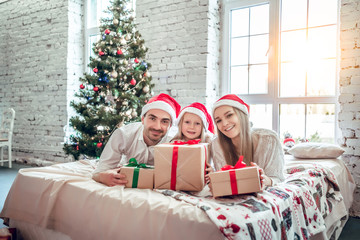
(117, 87)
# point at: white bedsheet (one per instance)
(65, 199)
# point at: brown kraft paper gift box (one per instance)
(247, 181)
(145, 178)
(190, 166)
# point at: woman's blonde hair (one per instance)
(204, 138)
(245, 148)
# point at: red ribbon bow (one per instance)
(190, 142)
(239, 164)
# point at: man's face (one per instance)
(156, 124)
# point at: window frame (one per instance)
(272, 97)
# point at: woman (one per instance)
(260, 147)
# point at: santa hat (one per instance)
(200, 110)
(234, 101)
(289, 140)
(163, 102)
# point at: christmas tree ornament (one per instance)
(100, 79)
(111, 42)
(119, 52)
(115, 21)
(125, 103)
(107, 31)
(127, 37)
(128, 113)
(134, 114)
(122, 41)
(82, 86)
(95, 70)
(136, 60)
(99, 144)
(146, 89)
(133, 81)
(144, 64)
(114, 74)
(103, 37)
(96, 89)
(101, 53)
(125, 62)
(147, 74)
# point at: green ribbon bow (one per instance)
(137, 166)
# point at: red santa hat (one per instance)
(289, 140)
(234, 101)
(200, 110)
(163, 102)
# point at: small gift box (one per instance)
(235, 180)
(180, 165)
(138, 175)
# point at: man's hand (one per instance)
(110, 177)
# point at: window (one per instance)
(280, 56)
(94, 12)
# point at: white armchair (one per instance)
(6, 132)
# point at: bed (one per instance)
(63, 202)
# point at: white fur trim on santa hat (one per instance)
(162, 106)
(232, 103)
(194, 111)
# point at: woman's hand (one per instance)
(264, 180)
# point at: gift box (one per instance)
(138, 175)
(235, 181)
(180, 165)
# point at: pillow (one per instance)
(316, 150)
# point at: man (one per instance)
(137, 140)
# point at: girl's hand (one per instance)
(208, 170)
(264, 180)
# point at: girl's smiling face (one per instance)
(191, 126)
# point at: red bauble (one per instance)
(107, 31)
(77, 148)
(99, 144)
(136, 60)
(95, 70)
(119, 52)
(133, 82)
(82, 86)
(101, 53)
(96, 89)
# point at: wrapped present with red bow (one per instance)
(180, 165)
(234, 180)
(138, 175)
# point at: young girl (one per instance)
(260, 147)
(194, 122)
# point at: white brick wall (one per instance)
(183, 38)
(40, 54)
(349, 99)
